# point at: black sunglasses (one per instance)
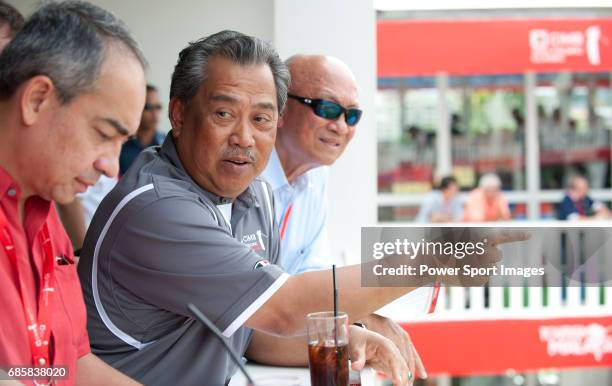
(330, 110)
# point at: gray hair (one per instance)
(489, 180)
(191, 69)
(66, 41)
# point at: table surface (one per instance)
(256, 371)
(368, 377)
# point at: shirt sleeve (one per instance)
(173, 252)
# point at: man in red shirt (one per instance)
(72, 88)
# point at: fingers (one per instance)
(359, 362)
(408, 355)
(420, 367)
(403, 343)
(389, 360)
(416, 364)
(507, 236)
(399, 366)
(357, 347)
(398, 371)
(394, 353)
(411, 368)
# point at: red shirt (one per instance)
(69, 331)
(479, 208)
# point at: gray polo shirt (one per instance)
(158, 242)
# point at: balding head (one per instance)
(311, 73)
(304, 139)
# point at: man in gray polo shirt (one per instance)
(190, 223)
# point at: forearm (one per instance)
(284, 313)
(313, 292)
(92, 371)
(273, 350)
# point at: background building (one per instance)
(524, 93)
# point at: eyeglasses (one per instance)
(151, 107)
(330, 110)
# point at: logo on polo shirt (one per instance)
(261, 264)
(255, 241)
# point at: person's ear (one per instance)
(281, 116)
(37, 96)
(176, 114)
(280, 122)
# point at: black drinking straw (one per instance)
(335, 291)
(335, 319)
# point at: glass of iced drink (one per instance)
(328, 348)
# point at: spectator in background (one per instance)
(577, 205)
(456, 125)
(487, 203)
(147, 134)
(443, 205)
(11, 21)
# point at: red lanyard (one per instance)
(39, 329)
(285, 219)
(434, 297)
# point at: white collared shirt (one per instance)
(304, 246)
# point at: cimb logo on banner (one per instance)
(548, 46)
(577, 340)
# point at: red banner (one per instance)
(461, 348)
(494, 46)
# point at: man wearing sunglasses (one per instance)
(317, 123)
(147, 134)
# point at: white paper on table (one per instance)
(413, 304)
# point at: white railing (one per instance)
(513, 197)
(500, 301)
